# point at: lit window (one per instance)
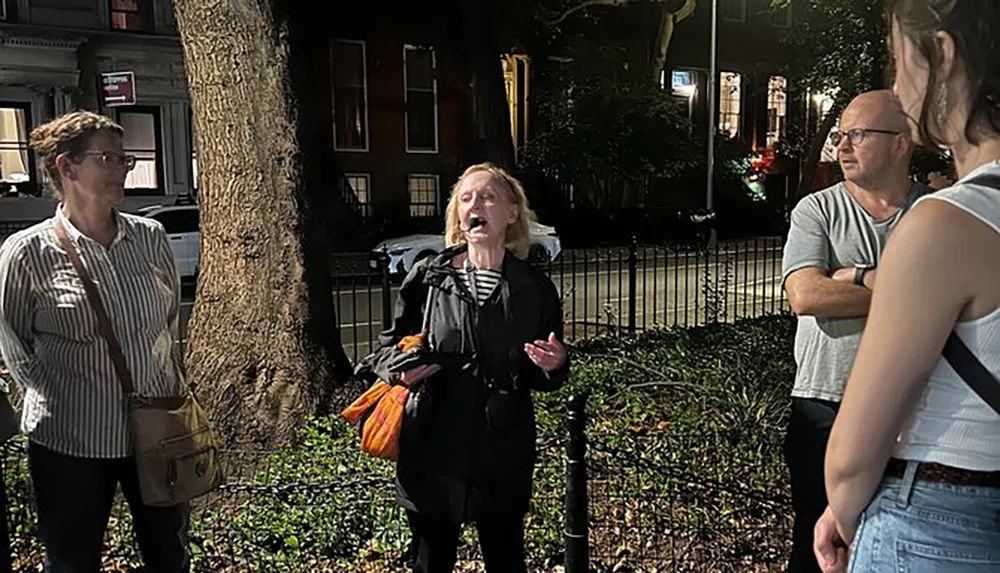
(730, 96)
(421, 99)
(777, 109)
(423, 195)
(350, 95)
(15, 164)
(359, 183)
(516, 74)
(733, 10)
(142, 139)
(682, 83)
(126, 15)
(510, 87)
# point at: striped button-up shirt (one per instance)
(49, 337)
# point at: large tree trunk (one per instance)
(264, 351)
(492, 111)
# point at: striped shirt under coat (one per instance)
(49, 338)
(486, 281)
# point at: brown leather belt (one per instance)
(937, 473)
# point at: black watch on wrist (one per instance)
(859, 273)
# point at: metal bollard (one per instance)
(383, 263)
(633, 263)
(577, 519)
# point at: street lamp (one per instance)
(712, 78)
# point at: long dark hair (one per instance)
(974, 25)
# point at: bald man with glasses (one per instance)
(830, 266)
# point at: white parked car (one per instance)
(406, 251)
(183, 230)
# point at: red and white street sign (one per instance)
(118, 88)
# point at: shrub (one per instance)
(686, 471)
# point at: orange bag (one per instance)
(380, 412)
(411, 342)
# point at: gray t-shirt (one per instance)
(830, 230)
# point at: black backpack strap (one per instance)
(965, 363)
(986, 180)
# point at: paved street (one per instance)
(674, 289)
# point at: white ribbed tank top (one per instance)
(952, 425)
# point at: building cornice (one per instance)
(29, 35)
(35, 42)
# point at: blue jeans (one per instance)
(74, 498)
(920, 527)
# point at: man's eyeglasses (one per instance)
(855, 136)
(112, 159)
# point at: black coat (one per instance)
(467, 447)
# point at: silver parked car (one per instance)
(406, 251)
(182, 226)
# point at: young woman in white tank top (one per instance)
(913, 463)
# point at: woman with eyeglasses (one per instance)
(913, 464)
(75, 414)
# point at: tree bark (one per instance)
(815, 153)
(264, 352)
(663, 36)
(671, 13)
(486, 72)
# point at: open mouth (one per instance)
(475, 221)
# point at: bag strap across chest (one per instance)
(962, 360)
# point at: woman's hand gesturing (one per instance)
(548, 354)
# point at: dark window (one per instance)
(421, 99)
(350, 98)
(8, 11)
(127, 15)
(733, 10)
(178, 221)
(782, 16)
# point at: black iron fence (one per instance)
(603, 502)
(600, 504)
(606, 290)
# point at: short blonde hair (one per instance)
(69, 133)
(518, 237)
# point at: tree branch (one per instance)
(586, 4)
(815, 152)
(663, 37)
(632, 363)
